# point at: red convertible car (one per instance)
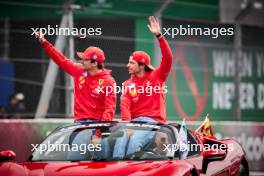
(134, 149)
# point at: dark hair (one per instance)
(146, 68)
(10, 97)
(100, 65)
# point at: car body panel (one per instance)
(132, 168)
(229, 165)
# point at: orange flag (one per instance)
(206, 128)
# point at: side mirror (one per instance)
(7, 155)
(212, 155)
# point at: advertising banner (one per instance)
(202, 79)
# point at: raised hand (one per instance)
(154, 26)
(40, 36)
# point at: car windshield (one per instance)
(106, 142)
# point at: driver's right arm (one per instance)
(63, 62)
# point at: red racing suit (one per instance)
(145, 96)
(91, 101)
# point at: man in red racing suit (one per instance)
(144, 94)
(143, 97)
(94, 96)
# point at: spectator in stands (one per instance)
(2, 112)
(16, 106)
(21, 102)
(12, 107)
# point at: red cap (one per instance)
(92, 53)
(142, 57)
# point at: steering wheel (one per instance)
(143, 154)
